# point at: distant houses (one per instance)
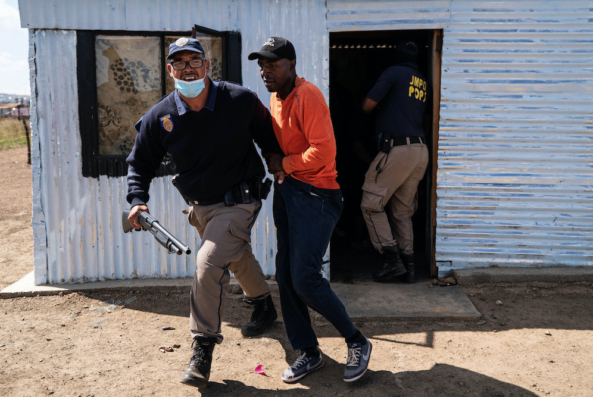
(12, 105)
(14, 109)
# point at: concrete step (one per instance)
(419, 301)
(531, 275)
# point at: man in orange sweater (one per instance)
(307, 206)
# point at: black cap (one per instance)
(275, 48)
(407, 47)
(185, 44)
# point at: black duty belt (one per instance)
(206, 202)
(385, 145)
(403, 140)
(243, 193)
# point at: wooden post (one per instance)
(19, 107)
(28, 140)
(437, 45)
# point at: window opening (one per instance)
(123, 74)
(128, 71)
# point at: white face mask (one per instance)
(190, 89)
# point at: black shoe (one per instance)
(198, 372)
(408, 260)
(264, 314)
(393, 265)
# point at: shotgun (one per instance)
(166, 239)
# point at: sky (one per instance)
(14, 51)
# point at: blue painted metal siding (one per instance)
(515, 159)
(515, 167)
(357, 15)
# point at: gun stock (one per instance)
(127, 226)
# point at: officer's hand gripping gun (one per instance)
(161, 234)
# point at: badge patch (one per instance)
(269, 42)
(167, 123)
(181, 42)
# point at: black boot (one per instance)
(393, 265)
(408, 260)
(198, 372)
(264, 314)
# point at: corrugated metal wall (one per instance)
(515, 169)
(76, 220)
(516, 132)
(353, 15)
(515, 166)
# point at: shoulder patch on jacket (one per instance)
(167, 123)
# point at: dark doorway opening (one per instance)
(357, 60)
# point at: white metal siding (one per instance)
(516, 133)
(147, 15)
(515, 161)
(356, 15)
(76, 220)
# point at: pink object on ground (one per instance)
(259, 369)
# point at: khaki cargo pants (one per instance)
(226, 246)
(392, 180)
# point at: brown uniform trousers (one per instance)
(392, 180)
(226, 246)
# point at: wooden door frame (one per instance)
(437, 53)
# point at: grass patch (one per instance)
(12, 132)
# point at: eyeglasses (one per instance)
(194, 64)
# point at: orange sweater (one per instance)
(304, 130)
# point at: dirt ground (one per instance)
(16, 236)
(537, 342)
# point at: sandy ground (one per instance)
(538, 342)
(16, 236)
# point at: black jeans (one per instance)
(305, 217)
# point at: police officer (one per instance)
(209, 129)
(393, 177)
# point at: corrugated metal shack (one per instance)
(513, 166)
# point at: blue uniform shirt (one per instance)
(402, 95)
(213, 149)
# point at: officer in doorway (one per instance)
(391, 183)
(209, 129)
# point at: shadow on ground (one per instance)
(522, 308)
(440, 380)
(568, 308)
(53, 336)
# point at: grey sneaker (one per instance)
(303, 365)
(357, 361)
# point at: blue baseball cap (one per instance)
(185, 44)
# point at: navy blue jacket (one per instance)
(212, 149)
(402, 93)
